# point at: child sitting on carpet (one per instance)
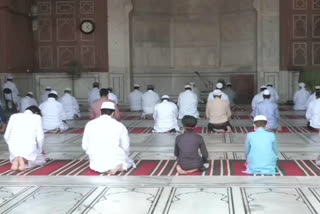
(187, 147)
(261, 149)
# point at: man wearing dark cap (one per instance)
(187, 146)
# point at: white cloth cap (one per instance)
(263, 86)
(48, 88)
(165, 97)
(229, 83)
(29, 92)
(317, 87)
(217, 92)
(54, 92)
(187, 86)
(67, 89)
(136, 85)
(108, 105)
(219, 85)
(10, 77)
(266, 92)
(302, 84)
(259, 118)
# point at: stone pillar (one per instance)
(119, 47)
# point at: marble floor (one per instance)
(174, 195)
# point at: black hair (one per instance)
(52, 95)
(260, 123)
(109, 89)
(48, 89)
(188, 88)
(34, 110)
(189, 121)
(262, 89)
(95, 85)
(107, 111)
(104, 92)
(136, 87)
(318, 94)
(266, 96)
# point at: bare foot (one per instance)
(180, 170)
(192, 170)
(22, 164)
(15, 164)
(55, 131)
(115, 170)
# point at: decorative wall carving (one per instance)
(45, 57)
(316, 4)
(300, 26)
(86, 7)
(44, 7)
(65, 7)
(45, 30)
(66, 30)
(66, 55)
(299, 54)
(316, 53)
(88, 56)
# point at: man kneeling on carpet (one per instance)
(24, 136)
(106, 142)
(187, 147)
(261, 149)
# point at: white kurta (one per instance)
(313, 114)
(44, 96)
(135, 100)
(188, 104)
(93, 95)
(224, 97)
(165, 116)
(106, 142)
(70, 105)
(196, 90)
(53, 115)
(149, 100)
(311, 98)
(274, 94)
(300, 99)
(14, 90)
(27, 102)
(231, 94)
(258, 98)
(24, 136)
(113, 97)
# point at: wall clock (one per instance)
(87, 26)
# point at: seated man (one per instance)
(188, 103)
(96, 107)
(165, 116)
(313, 113)
(218, 112)
(27, 101)
(12, 99)
(258, 98)
(44, 96)
(70, 105)
(224, 96)
(187, 146)
(135, 99)
(106, 142)
(268, 109)
(24, 136)
(312, 97)
(261, 149)
(149, 100)
(301, 97)
(53, 114)
(94, 94)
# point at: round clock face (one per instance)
(87, 26)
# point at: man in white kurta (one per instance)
(274, 93)
(230, 92)
(149, 100)
(312, 97)
(224, 96)
(24, 136)
(106, 142)
(258, 98)
(188, 103)
(313, 112)
(70, 105)
(94, 94)
(53, 114)
(301, 97)
(44, 96)
(112, 96)
(135, 99)
(165, 116)
(195, 90)
(27, 101)
(12, 86)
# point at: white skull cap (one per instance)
(219, 85)
(259, 118)
(108, 105)
(266, 92)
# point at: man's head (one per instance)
(217, 93)
(48, 88)
(150, 87)
(67, 90)
(104, 92)
(30, 94)
(192, 84)
(266, 94)
(270, 85)
(302, 85)
(96, 85)
(318, 94)
(165, 97)
(263, 87)
(219, 86)
(136, 86)
(53, 94)
(189, 121)
(108, 108)
(260, 121)
(10, 78)
(229, 84)
(34, 110)
(187, 87)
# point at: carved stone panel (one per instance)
(300, 54)
(66, 30)
(66, 55)
(44, 7)
(45, 30)
(45, 57)
(65, 7)
(86, 7)
(316, 53)
(88, 56)
(300, 26)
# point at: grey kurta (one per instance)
(186, 150)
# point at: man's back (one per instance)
(96, 108)
(188, 104)
(27, 102)
(93, 95)
(135, 100)
(300, 99)
(231, 94)
(313, 113)
(52, 114)
(218, 111)
(149, 100)
(270, 110)
(165, 115)
(70, 105)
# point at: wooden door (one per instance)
(244, 88)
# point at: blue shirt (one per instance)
(261, 152)
(270, 110)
